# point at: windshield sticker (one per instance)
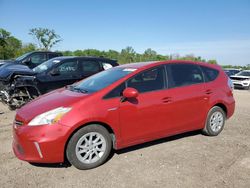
(129, 69)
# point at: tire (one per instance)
(83, 150)
(214, 127)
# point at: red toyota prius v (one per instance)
(121, 107)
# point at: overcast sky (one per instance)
(212, 29)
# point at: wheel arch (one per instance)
(222, 106)
(105, 125)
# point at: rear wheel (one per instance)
(215, 121)
(89, 147)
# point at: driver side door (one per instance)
(65, 73)
(145, 117)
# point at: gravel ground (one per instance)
(187, 160)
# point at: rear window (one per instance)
(209, 73)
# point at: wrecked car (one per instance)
(19, 84)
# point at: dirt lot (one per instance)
(188, 160)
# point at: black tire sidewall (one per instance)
(208, 129)
(70, 150)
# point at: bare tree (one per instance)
(45, 38)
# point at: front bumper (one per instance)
(241, 84)
(40, 144)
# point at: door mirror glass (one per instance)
(130, 93)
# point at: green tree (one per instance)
(127, 55)
(26, 48)
(9, 45)
(212, 61)
(68, 53)
(4, 35)
(149, 55)
(92, 52)
(112, 54)
(45, 38)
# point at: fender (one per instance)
(20, 81)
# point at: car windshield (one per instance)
(46, 65)
(244, 73)
(20, 58)
(101, 80)
(228, 72)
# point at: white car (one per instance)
(242, 79)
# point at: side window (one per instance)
(89, 68)
(149, 80)
(117, 92)
(210, 74)
(38, 58)
(184, 74)
(68, 68)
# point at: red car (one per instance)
(121, 107)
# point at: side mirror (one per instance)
(130, 93)
(27, 61)
(54, 72)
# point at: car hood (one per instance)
(235, 76)
(57, 98)
(3, 62)
(9, 69)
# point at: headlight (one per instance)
(49, 117)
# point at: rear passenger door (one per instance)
(187, 97)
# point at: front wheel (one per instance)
(89, 147)
(215, 121)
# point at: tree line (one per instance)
(129, 55)
(45, 39)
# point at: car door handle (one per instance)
(208, 91)
(166, 99)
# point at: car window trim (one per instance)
(203, 74)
